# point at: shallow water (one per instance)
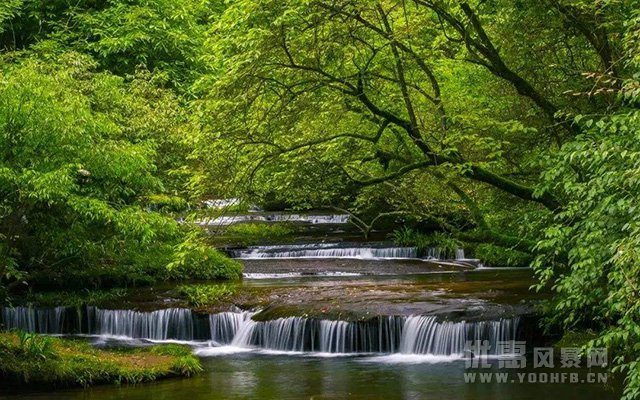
(380, 288)
(268, 376)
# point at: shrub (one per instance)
(423, 242)
(196, 260)
(254, 233)
(36, 346)
(203, 295)
(497, 256)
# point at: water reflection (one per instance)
(259, 376)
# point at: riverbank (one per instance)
(35, 360)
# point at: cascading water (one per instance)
(425, 335)
(225, 325)
(342, 250)
(171, 323)
(225, 220)
(385, 334)
(335, 252)
(436, 253)
(50, 321)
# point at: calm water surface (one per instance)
(267, 376)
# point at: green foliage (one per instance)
(84, 176)
(36, 346)
(8, 10)
(164, 35)
(412, 238)
(71, 171)
(497, 256)
(114, 114)
(248, 234)
(580, 339)
(589, 254)
(206, 295)
(30, 359)
(194, 259)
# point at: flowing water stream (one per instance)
(418, 335)
(325, 326)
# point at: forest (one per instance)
(511, 128)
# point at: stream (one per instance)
(333, 321)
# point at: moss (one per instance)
(31, 359)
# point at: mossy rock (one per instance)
(32, 359)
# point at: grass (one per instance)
(32, 359)
(206, 295)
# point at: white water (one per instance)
(258, 275)
(224, 326)
(48, 321)
(412, 335)
(221, 203)
(340, 250)
(366, 253)
(226, 220)
(171, 323)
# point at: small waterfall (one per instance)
(286, 334)
(221, 203)
(225, 325)
(437, 253)
(171, 323)
(225, 220)
(385, 334)
(425, 335)
(345, 250)
(49, 321)
(326, 251)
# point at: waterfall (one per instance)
(385, 334)
(49, 321)
(408, 335)
(437, 253)
(171, 323)
(225, 325)
(425, 335)
(344, 250)
(226, 220)
(325, 251)
(221, 203)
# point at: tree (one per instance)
(371, 92)
(78, 174)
